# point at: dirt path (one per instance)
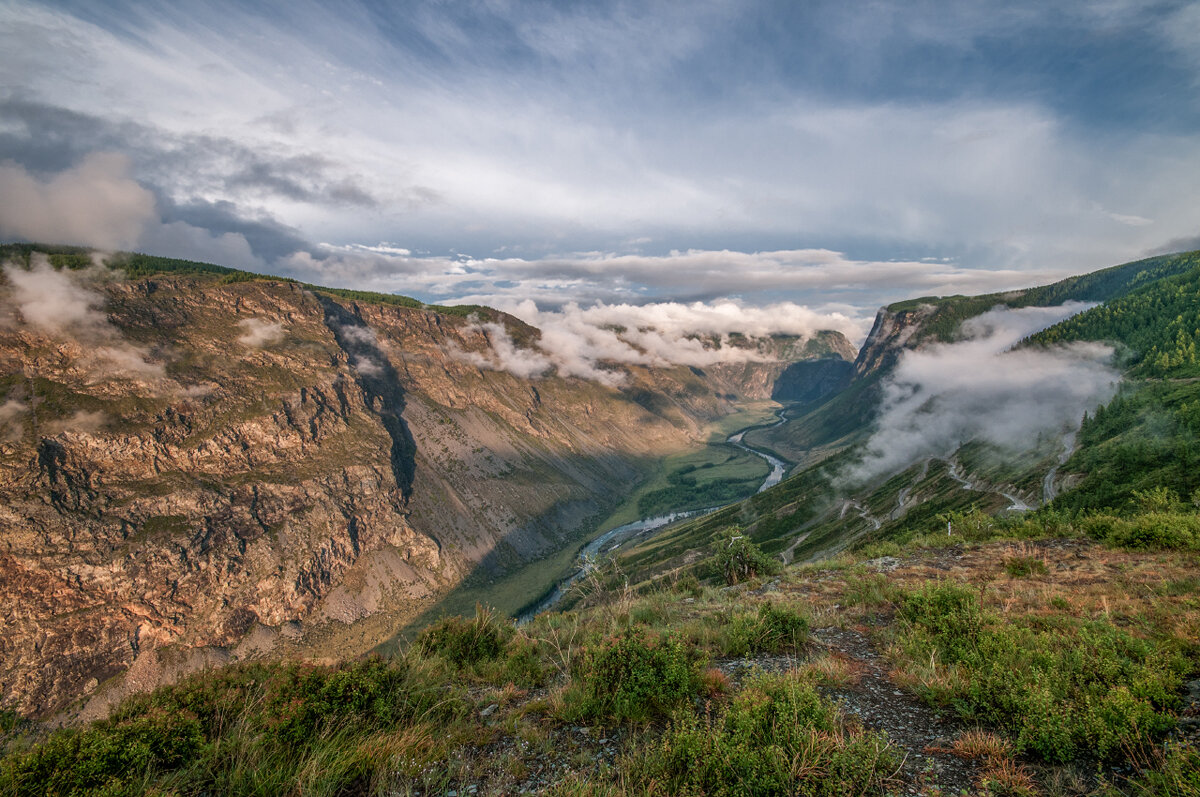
(918, 732)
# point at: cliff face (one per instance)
(189, 464)
(891, 333)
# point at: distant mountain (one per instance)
(1144, 439)
(197, 463)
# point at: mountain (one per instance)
(1143, 440)
(199, 463)
(968, 616)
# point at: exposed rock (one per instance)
(223, 496)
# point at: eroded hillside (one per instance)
(200, 465)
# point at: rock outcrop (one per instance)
(211, 465)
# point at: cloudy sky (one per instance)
(828, 154)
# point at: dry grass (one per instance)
(1008, 777)
(834, 669)
(979, 744)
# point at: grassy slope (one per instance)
(1066, 635)
(1062, 654)
(1151, 443)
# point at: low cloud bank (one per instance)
(96, 203)
(66, 304)
(99, 203)
(586, 342)
(982, 389)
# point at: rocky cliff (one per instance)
(198, 466)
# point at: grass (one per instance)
(709, 463)
(776, 737)
(1069, 667)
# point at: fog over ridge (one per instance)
(580, 341)
(987, 388)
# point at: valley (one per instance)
(359, 500)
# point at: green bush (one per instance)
(1022, 566)
(633, 677)
(1061, 688)
(735, 559)
(1149, 531)
(1173, 772)
(465, 642)
(777, 737)
(950, 613)
(689, 585)
(111, 757)
(259, 728)
(522, 664)
(770, 630)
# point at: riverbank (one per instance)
(611, 540)
(513, 593)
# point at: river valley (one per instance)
(613, 539)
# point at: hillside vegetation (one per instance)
(908, 636)
(1049, 655)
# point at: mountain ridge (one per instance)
(201, 458)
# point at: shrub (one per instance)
(688, 584)
(1170, 772)
(1156, 499)
(633, 677)
(1060, 689)
(771, 630)
(465, 642)
(777, 737)
(950, 613)
(522, 664)
(735, 559)
(1021, 566)
(108, 758)
(1155, 531)
(257, 728)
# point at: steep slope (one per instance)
(198, 458)
(1145, 440)
(915, 323)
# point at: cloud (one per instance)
(822, 275)
(913, 130)
(80, 421)
(12, 413)
(62, 304)
(527, 363)
(982, 388)
(97, 203)
(259, 333)
(93, 204)
(587, 341)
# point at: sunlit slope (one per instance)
(1146, 438)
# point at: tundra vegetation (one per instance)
(1060, 643)
(1057, 650)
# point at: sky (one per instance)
(561, 156)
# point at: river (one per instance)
(610, 540)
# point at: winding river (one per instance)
(610, 540)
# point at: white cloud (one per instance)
(12, 413)
(62, 304)
(981, 388)
(96, 204)
(827, 277)
(80, 421)
(259, 332)
(546, 159)
(586, 342)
